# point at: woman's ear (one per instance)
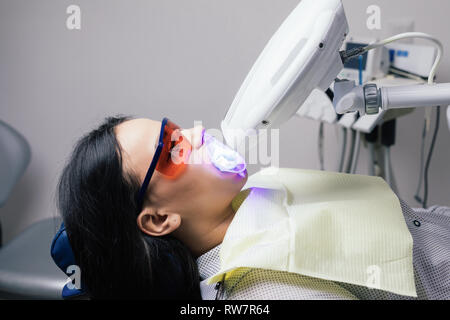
(156, 223)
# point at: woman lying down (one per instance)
(143, 224)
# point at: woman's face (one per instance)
(201, 188)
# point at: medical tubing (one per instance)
(352, 151)
(360, 69)
(356, 152)
(343, 149)
(371, 139)
(407, 35)
(352, 53)
(371, 147)
(422, 162)
(355, 155)
(430, 154)
(388, 131)
(320, 146)
(387, 165)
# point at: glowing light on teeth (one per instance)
(223, 157)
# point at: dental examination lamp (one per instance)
(303, 55)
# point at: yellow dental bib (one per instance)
(339, 227)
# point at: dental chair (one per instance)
(27, 270)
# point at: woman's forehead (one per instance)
(137, 129)
(137, 139)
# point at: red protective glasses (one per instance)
(171, 155)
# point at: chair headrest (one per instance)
(63, 256)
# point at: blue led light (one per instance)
(223, 157)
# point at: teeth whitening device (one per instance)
(223, 157)
(303, 55)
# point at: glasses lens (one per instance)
(175, 152)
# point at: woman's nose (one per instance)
(195, 136)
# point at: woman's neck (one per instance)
(205, 237)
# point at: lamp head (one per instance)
(301, 56)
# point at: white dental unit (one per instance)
(304, 56)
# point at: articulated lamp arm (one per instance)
(369, 99)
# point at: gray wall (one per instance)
(184, 59)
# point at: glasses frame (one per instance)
(153, 164)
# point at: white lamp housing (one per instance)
(301, 56)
